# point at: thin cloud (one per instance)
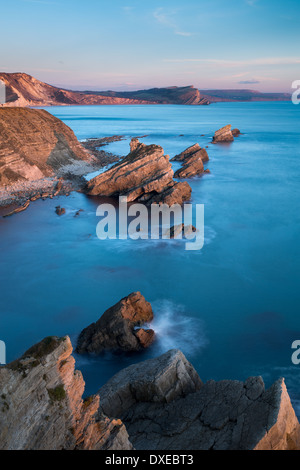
(166, 18)
(248, 82)
(238, 63)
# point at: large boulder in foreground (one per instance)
(223, 135)
(41, 405)
(118, 328)
(145, 175)
(165, 406)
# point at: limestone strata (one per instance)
(165, 406)
(117, 328)
(145, 175)
(34, 144)
(41, 405)
(223, 135)
(192, 151)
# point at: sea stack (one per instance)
(145, 175)
(119, 328)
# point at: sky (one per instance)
(136, 44)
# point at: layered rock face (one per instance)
(145, 175)
(192, 162)
(192, 151)
(24, 90)
(41, 405)
(165, 406)
(117, 329)
(34, 144)
(224, 135)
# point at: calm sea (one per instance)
(232, 308)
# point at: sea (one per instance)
(233, 307)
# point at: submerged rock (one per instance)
(117, 329)
(41, 405)
(165, 406)
(145, 175)
(223, 135)
(60, 210)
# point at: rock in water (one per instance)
(116, 329)
(60, 210)
(145, 175)
(236, 132)
(223, 135)
(164, 405)
(194, 150)
(41, 405)
(192, 159)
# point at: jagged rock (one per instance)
(193, 166)
(160, 380)
(223, 135)
(178, 193)
(145, 175)
(116, 329)
(193, 150)
(192, 159)
(41, 405)
(165, 406)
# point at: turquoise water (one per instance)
(233, 307)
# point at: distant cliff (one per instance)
(25, 90)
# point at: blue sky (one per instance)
(131, 44)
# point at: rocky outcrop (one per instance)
(192, 151)
(160, 380)
(41, 405)
(145, 175)
(223, 135)
(192, 162)
(165, 406)
(117, 329)
(34, 144)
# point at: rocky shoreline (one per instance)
(158, 404)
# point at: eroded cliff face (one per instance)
(34, 144)
(24, 90)
(41, 405)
